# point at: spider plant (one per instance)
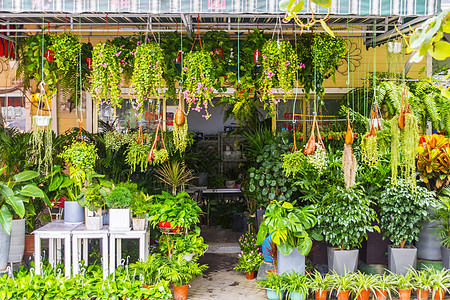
(362, 282)
(296, 283)
(404, 282)
(384, 283)
(421, 279)
(175, 174)
(342, 282)
(319, 283)
(440, 279)
(273, 282)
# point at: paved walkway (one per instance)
(221, 282)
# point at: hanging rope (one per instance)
(198, 34)
(238, 53)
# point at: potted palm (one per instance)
(149, 270)
(402, 211)
(342, 284)
(404, 285)
(180, 272)
(363, 284)
(297, 286)
(320, 284)
(275, 286)
(441, 214)
(249, 262)
(344, 217)
(118, 202)
(288, 226)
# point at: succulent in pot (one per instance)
(118, 202)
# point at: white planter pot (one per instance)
(42, 121)
(94, 223)
(17, 244)
(119, 219)
(139, 224)
(13, 64)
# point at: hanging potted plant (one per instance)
(280, 67)
(66, 48)
(369, 143)
(118, 202)
(106, 75)
(42, 137)
(180, 127)
(198, 78)
(137, 151)
(401, 214)
(149, 66)
(349, 163)
(158, 156)
(320, 284)
(315, 152)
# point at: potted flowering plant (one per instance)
(198, 75)
(247, 241)
(106, 75)
(249, 262)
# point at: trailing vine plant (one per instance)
(106, 75)
(66, 47)
(149, 66)
(279, 70)
(42, 143)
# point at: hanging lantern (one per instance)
(89, 62)
(256, 56)
(178, 58)
(50, 55)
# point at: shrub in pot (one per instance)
(94, 200)
(344, 217)
(118, 202)
(404, 285)
(296, 286)
(275, 286)
(402, 213)
(320, 284)
(441, 214)
(342, 284)
(189, 245)
(363, 285)
(288, 227)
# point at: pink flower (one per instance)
(184, 68)
(302, 66)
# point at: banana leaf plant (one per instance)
(288, 226)
(15, 197)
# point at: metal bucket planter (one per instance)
(17, 242)
(73, 212)
(294, 262)
(4, 248)
(401, 259)
(342, 261)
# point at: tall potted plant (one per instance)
(118, 202)
(402, 212)
(288, 227)
(344, 217)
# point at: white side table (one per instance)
(57, 230)
(80, 233)
(117, 236)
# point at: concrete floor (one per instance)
(221, 282)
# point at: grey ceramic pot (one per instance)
(342, 261)
(73, 212)
(294, 262)
(401, 259)
(4, 248)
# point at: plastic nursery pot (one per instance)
(343, 295)
(404, 294)
(180, 292)
(296, 296)
(250, 275)
(273, 295)
(422, 294)
(321, 295)
(439, 294)
(364, 294)
(381, 294)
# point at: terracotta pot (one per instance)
(381, 294)
(250, 275)
(364, 294)
(180, 292)
(439, 294)
(404, 294)
(422, 294)
(343, 295)
(321, 295)
(29, 243)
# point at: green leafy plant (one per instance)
(106, 75)
(80, 155)
(342, 282)
(369, 149)
(288, 226)
(297, 283)
(363, 281)
(126, 55)
(294, 162)
(441, 214)
(247, 242)
(318, 282)
(149, 66)
(94, 197)
(249, 261)
(385, 282)
(440, 279)
(160, 156)
(421, 280)
(187, 244)
(140, 204)
(119, 197)
(175, 174)
(402, 212)
(404, 282)
(180, 271)
(66, 47)
(273, 281)
(42, 141)
(344, 217)
(148, 271)
(198, 76)
(136, 155)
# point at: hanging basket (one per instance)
(42, 121)
(311, 145)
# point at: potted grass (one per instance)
(118, 202)
(344, 217)
(342, 284)
(363, 284)
(288, 227)
(180, 272)
(404, 285)
(320, 284)
(275, 285)
(441, 214)
(440, 282)
(402, 211)
(422, 282)
(383, 286)
(249, 262)
(297, 286)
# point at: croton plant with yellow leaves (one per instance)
(433, 161)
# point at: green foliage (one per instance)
(106, 75)
(294, 162)
(402, 211)
(149, 66)
(42, 139)
(318, 283)
(385, 282)
(15, 152)
(174, 174)
(361, 281)
(66, 47)
(249, 261)
(126, 56)
(119, 197)
(441, 214)
(288, 226)
(198, 77)
(297, 283)
(160, 156)
(94, 197)
(247, 242)
(180, 136)
(344, 217)
(148, 271)
(80, 155)
(404, 282)
(136, 155)
(180, 271)
(273, 281)
(341, 282)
